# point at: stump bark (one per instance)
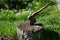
(25, 31)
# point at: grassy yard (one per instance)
(49, 17)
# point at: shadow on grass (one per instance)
(46, 35)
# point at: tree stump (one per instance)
(25, 30)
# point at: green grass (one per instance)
(9, 28)
(49, 17)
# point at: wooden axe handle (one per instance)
(38, 11)
(31, 17)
